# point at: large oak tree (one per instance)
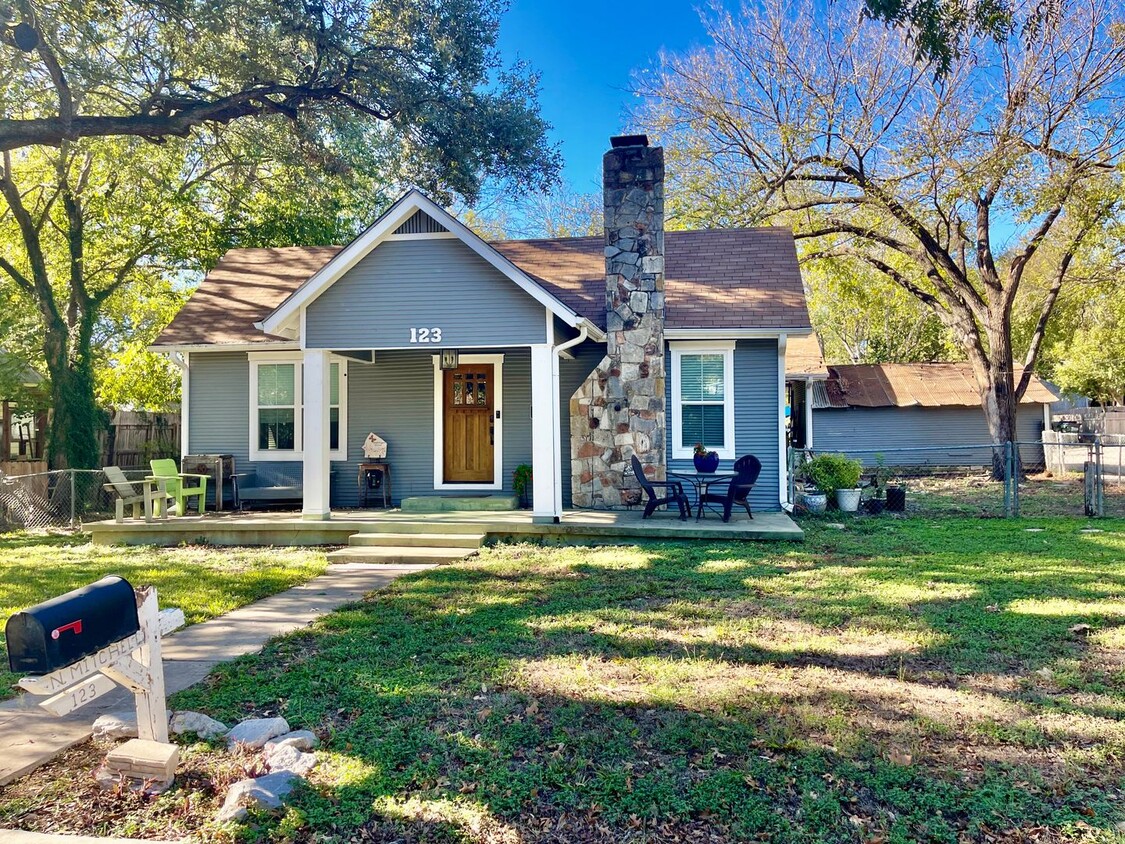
(84, 86)
(949, 186)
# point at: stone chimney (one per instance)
(619, 410)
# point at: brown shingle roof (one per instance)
(244, 287)
(716, 278)
(916, 385)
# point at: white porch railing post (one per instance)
(544, 456)
(317, 377)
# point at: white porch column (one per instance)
(317, 385)
(808, 414)
(544, 454)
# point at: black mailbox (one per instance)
(63, 630)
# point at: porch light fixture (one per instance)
(448, 358)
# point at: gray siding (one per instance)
(219, 412)
(936, 429)
(436, 283)
(571, 375)
(756, 415)
(394, 397)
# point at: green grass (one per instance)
(204, 582)
(900, 680)
(896, 681)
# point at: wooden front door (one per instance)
(469, 424)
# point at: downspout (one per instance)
(556, 416)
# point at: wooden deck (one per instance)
(576, 527)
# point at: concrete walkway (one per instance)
(30, 736)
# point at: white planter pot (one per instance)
(815, 502)
(847, 500)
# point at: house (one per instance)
(929, 408)
(471, 358)
(804, 366)
(23, 421)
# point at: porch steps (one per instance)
(430, 527)
(459, 503)
(406, 543)
(418, 540)
(399, 555)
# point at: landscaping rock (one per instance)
(196, 722)
(115, 725)
(266, 792)
(300, 739)
(255, 732)
(286, 757)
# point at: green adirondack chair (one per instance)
(176, 482)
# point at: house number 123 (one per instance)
(425, 335)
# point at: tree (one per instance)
(864, 319)
(560, 211)
(950, 187)
(113, 154)
(939, 29)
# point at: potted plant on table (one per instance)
(705, 461)
(521, 484)
(839, 475)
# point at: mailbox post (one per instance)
(81, 645)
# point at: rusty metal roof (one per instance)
(913, 385)
(804, 358)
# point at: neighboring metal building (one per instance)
(930, 406)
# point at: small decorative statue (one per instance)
(374, 447)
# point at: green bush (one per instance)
(831, 472)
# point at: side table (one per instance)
(375, 467)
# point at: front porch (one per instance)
(576, 527)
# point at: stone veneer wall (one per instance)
(619, 410)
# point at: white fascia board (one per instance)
(734, 333)
(380, 230)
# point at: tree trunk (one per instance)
(998, 393)
(72, 440)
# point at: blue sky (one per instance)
(586, 51)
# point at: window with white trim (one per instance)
(703, 398)
(277, 408)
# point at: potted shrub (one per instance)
(705, 461)
(878, 501)
(839, 475)
(521, 484)
(813, 499)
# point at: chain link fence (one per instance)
(65, 498)
(1082, 476)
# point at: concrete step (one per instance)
(400, 555)
(422, 525)
(417, 540)
(459, 503)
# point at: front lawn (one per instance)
(896, 681)
(204, 582)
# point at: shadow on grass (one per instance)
(488, 701)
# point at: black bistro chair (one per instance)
(673, 491)
(736, 490)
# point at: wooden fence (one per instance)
(133, 439)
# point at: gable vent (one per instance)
(421, 223)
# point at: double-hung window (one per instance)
(277, 408)
(703, 398)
